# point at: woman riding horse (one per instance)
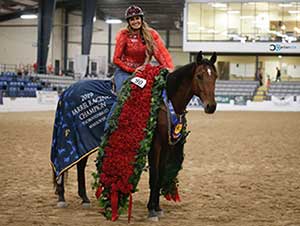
(197, 78)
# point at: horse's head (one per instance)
(204, 80)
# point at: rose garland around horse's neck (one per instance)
(123, 152)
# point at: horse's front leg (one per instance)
(157, 159)
(81, 182)
(60, 191)
(153, 203)
(162, 168)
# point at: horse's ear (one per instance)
(199, 57)
(213, 58)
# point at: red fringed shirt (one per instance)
(130, 51)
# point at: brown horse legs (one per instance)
(60, 190)
(157, 160)
(81, 180)
(154, 189)
(153, 204)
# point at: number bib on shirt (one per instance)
(140, 82)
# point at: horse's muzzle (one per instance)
(210, 108)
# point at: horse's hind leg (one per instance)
(60, 191)
(81, 182)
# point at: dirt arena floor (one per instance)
(240, 168)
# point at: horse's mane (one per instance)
(175, 78)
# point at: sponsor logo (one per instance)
(278, 47)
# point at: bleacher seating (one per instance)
(13, 86)
(233, 88)
(3, 85)
(283, 89)
(56, 82)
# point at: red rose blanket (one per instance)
(123, 152)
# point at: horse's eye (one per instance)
(200, 77)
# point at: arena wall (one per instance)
(19, 41)
(47, 103)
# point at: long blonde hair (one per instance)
(145, 32)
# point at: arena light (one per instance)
(247, 17)
(294, 11)
(28, 16)
(285, 5)
(211, 31)
(219, 5)
(233, 12)
(113, 21)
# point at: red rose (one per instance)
(98, 192)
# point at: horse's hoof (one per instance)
(62, 204)
(155, 219)
(152, 216)
(160, 213)
(86, 205)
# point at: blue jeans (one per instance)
(120, 77)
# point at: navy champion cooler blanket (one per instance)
(79, 123)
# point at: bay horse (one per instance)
(197, 78)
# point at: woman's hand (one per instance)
(170, 70)
(140, 68)
(147, 61)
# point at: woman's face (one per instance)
(135, 22)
